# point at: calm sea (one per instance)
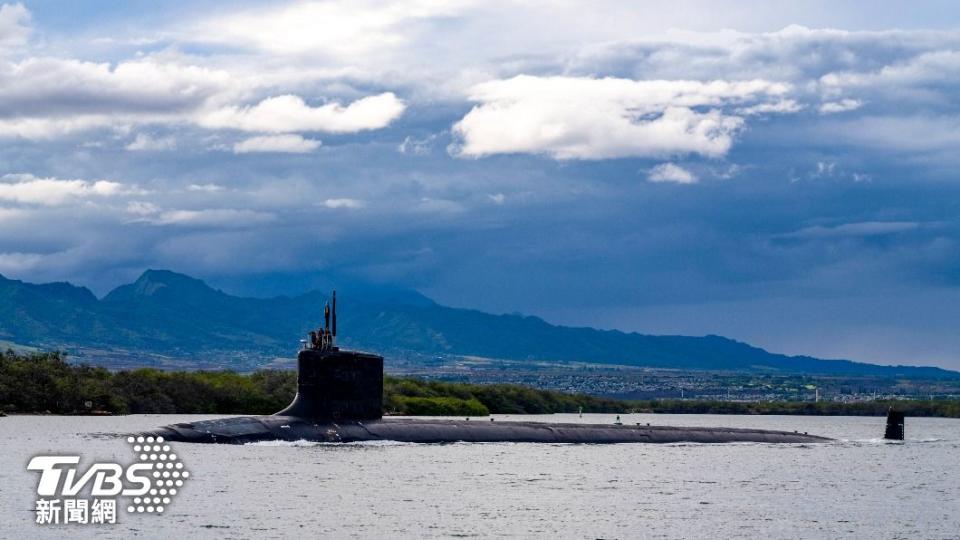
(857, 487)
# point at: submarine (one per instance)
(340, 400)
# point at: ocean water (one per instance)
(857, 487)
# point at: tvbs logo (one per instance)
(149, 483)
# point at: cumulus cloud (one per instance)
(374, 41)
(29, 189)
(843, 105)
(290, 144)
(145, 142)
(671, 172)
(288, 113)
(39, 129)
(14, 24)
(900, 73)
(44, 98)
(587, 118)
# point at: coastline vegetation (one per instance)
(47, 383)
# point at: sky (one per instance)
(779, 173)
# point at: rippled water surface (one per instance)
(858, 487)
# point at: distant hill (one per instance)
(175, 315)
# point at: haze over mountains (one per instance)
(172, 314)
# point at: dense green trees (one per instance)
(942, 408)
(45, 382)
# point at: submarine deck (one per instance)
(245, 429)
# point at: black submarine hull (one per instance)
(248, 429)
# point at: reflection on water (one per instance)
(859, 486)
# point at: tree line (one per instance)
(940, 408)
(47, 383)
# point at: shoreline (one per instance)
(47, 383)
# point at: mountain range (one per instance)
(177, 316)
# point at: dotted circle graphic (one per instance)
(168, 471)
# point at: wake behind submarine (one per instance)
(340, 400)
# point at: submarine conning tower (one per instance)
(895, 423)
(334, 384)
